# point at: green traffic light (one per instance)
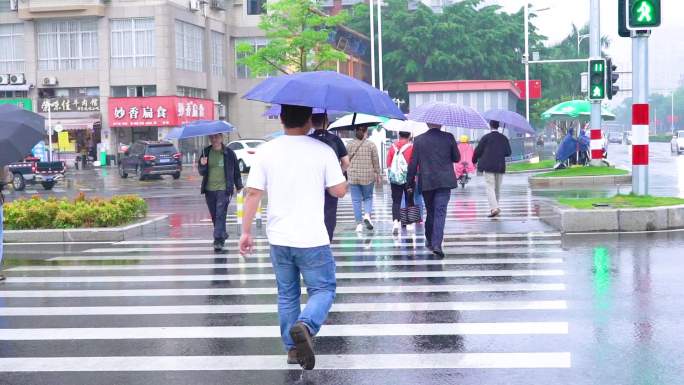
(644, 13)
(597, 79)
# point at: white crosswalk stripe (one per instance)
(193, 310)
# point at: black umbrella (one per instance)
(20, 130)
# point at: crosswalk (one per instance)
(497, 301)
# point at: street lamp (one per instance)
(579, 40)
(526, 57)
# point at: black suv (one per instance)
(146, 158)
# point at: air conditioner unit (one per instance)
(14, 5)
(222, 111)
(50, 81)
(218, 5)
(4, 79)
(17, 79)
(195, 5)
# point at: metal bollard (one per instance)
(259, 222)
(239, 211)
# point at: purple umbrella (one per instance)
(326, 90)
(510, 120)
(447, 114)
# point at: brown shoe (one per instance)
(302, 338)
(292, 357)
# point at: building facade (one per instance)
(115, 71)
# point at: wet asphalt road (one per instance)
(513, 302)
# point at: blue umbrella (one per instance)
(510, 120)
(327, 90)
(448, 114)
(275, 111)
(200, 128)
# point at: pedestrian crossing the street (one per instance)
(497, 301)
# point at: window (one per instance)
(67, 45)
(81, 92)
(5, 6)
(13, 94)
(243, 71)
(11, 48)
(191, 92)
(235, 146)
(255, 7)
(133, 91)
(218, 53)
(189, 43)
(133, 43)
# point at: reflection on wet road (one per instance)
(513, 302)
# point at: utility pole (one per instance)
(526, 60)
(595, 53)
(640, 113)
(380, 75)
(372, 42)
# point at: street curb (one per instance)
(569, 220)
(579, 181)
(530, 171)
(105, 234)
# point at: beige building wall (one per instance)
(228, 89)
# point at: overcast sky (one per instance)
(666, 44)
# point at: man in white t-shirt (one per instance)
(296, 170)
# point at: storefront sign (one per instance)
(84, 104)
(158, 111)
(24, 103)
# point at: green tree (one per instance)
(297, 33)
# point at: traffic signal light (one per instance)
(643, 14)
(611, 78)
(597, 79)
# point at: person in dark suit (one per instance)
(434, 155)
(490, 157)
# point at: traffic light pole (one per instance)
(595, 52)
(640, 113)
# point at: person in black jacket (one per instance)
(218, 166)
(490, 157)
(434, 154)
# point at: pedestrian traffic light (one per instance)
(597, 79)
(643, 14)
(611, 78)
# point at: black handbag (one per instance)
(411, 213)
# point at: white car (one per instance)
(245, 149)
(677, 143)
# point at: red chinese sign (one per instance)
(158, 111)
(535, 88)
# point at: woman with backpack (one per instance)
(398, 159)
(364, 171)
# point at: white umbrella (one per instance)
(346, 121)
(415, 128)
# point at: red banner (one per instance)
(158, 111)
(535, 88)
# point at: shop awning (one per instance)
(73, 124)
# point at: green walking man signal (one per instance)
(597, 79)
(643, 14)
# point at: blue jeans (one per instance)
(362, 194)
(217, 202)
(317, 266)
(436, 202)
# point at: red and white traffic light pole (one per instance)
(640, 113)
